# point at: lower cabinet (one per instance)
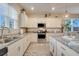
(63, 50)
(21, 43)
(53, 46)
(59, 49)
(14, 49)
(18, 48)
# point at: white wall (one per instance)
(50, 22)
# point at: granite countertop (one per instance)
(65, 42)
(2, 45)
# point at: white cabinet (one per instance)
(23, 20)
(53, 46)
(13, 49)
(26, 43)
(23, 45)
(59, 49)
(18, 48)
(63, 50)
(21, 42)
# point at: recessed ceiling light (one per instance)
(32, 8)
(53, 8)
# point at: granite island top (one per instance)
(65, 42)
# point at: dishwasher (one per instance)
(3, 51)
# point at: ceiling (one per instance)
(43, 8)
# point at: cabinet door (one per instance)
(53, 46)
(21, 42)
(59, 49)
(13, 49)
(23, 45)
(23, 20)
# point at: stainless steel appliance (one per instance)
(41, 31)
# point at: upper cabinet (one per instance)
(23, 20)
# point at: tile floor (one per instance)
(38, 49)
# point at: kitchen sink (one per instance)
(7, 40)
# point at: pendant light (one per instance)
(66, 12)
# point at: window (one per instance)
(13, 18)
(68, 25)
(11, 23)
(8, 16)
(76, 24)
(4, 9)
(72, 24)
(2, 18)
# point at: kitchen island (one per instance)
(60, 46)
